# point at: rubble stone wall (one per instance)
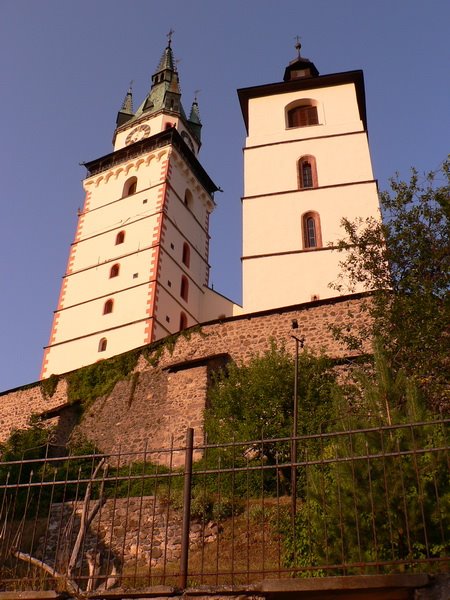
(168, 394)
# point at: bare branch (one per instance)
(68, 583)
(86, 519)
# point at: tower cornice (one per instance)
(159, 140)
(310, 83)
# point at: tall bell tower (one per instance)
(138, 266)
(306, 166)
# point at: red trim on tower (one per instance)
(155, 265)
(62, 293)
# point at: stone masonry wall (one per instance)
(154, 411)
(127, 531)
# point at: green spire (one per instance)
(194, 122)
(165, 92)
(166, 61)
(126, 111)
(127, 106)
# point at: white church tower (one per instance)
(138, 266)
(306, 166)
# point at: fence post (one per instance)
(186, 507)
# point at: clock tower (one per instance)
(138, 266)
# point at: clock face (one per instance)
(138, 133)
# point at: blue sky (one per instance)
(66, 66)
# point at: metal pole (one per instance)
(294, 440)
(186, 508)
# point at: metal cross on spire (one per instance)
(297, 44)
(196, 93)
(169, 36)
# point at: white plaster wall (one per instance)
(291, 279)
(103, 247)
(215, 306)
(273, 223)
(171, 305)
(157, 124)
(108, 187)
(84, 351)
(198, 265)
(337, 111)
(83, 319)
(80, 286)
(341, 159)
(182, 178)
(116, 214)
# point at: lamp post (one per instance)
(299, 343)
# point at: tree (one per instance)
(380, 492)
(249, 401)
(405, 262)
(254, 401)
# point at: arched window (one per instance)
(307, 172)
(114, 271)
(186, 258)
(188, 199)
(302, 115)
(108, 307)
(184, 289)
(120, 237)
(102, 345)
(183, 321)
(312, 235)
(129, 187)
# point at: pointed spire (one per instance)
(166, 61)
(126, 111)
(194, 122)
(194, 115)
(165, 92)
(127, 105)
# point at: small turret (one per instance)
(300, 67)
(194, 122)
(126, 111)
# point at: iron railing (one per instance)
(368, 501)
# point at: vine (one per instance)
(88, 383)
(49, 385)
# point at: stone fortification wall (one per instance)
(153, 408)
(127, 531)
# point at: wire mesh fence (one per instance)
(367, 501)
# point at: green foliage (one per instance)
(391, 501)
(247, 402)
(29, 443)
(405, 262)
(91, 382)
(49, 385)
(254, 401)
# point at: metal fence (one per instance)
(367, 501)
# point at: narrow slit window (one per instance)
(102, 345)
(184, 289)
(108, 307)
(312, 236)
(307, 172)
(120, 237)
(183, 321)
(114, 271)
(186, 258)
